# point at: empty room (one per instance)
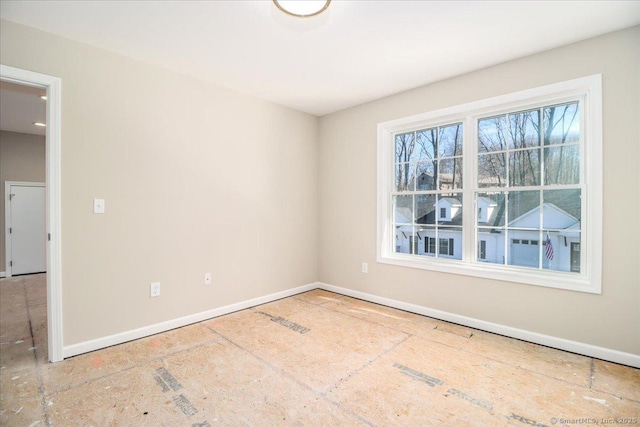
(319, 213)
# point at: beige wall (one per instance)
(22, 158)
(196, 179)
(348, 201)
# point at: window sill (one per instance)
(544, 278)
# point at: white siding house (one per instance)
(522, 243)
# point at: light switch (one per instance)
(98, 206)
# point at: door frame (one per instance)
(53, 87)
(8, 237)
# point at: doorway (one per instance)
(51, 88)
(25, 221)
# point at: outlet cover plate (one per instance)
(154, 289)
(98, 206)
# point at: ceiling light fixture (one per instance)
(43, 97)
(302, 8)
(39, 124)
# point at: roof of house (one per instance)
(452, 200)
(405, 212)
(488, 201)
(527, 201)
(563, 200)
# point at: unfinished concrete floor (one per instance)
(314, 359)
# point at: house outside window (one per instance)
(503, 174)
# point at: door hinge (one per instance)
(11, 196)
(49, 236)
(10, 230)
(10, 263)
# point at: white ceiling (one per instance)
(20, 107)
(355, 52)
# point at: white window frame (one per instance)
(589, 91)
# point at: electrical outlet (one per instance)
(365, 267)
(207, 278)
(154, 289)
(98, 206)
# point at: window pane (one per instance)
(492, 134)
(426, 144)
(425, 176)
(562, 209)
(451, 206)
(450, 143)
(492, 208)
(404, 209)
(562, 164)
(561, 251)
(492, 170)
(404, 238)
(524, 129)
(524, 209)
(450, 173)
(405, 146)
(524, 167)
(521, 252)
(561, 124)
(425, 208)
(404, 177)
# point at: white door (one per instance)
(27, 228)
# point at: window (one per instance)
(427, 182)
(446, 247)
(502, 175)
(430, 245)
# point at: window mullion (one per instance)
(469, 164)
(541, 141)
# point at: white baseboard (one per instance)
(546, 340)
(87, 346)
(2, 274)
